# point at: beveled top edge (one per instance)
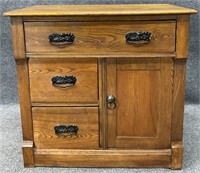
(103, 9)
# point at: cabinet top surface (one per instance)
(87, 10)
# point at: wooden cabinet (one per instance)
(101, 85)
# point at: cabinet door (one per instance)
(143, 91)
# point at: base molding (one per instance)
(166, 158)
(28, 154)
(103, 158)
(177, 155)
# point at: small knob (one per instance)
(111, 102)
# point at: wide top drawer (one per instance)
(111, 37)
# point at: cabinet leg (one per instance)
(28, 154)
(177, 155)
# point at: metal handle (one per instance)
(63, 81)
(111, 102)
(62, 39)
(66, 130)
(138, 38)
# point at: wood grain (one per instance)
(146, 128)
(17, 29)
(113, 9)
(182, 34)
(103, 122)
(111, 90)
(46, 118)
(177, 155)
(100, 37)
(28, 154)
(178, 99)
(65, 104)
(142, 118)
(41, 72)
(116, 55)
(24, 99)
(23, 89)
(103, 158)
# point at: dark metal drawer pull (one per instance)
(62, 39)
(138, 38)
(66, 130)
(63, 81)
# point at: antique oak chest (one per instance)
(101, 85)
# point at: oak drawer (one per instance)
(100, 37)
(65, 127)
(63, 80)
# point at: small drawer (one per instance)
(65, 127)
(63, 80)
(100, 37)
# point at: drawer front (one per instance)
(100, 37)
(65, 127)
(63, 80)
